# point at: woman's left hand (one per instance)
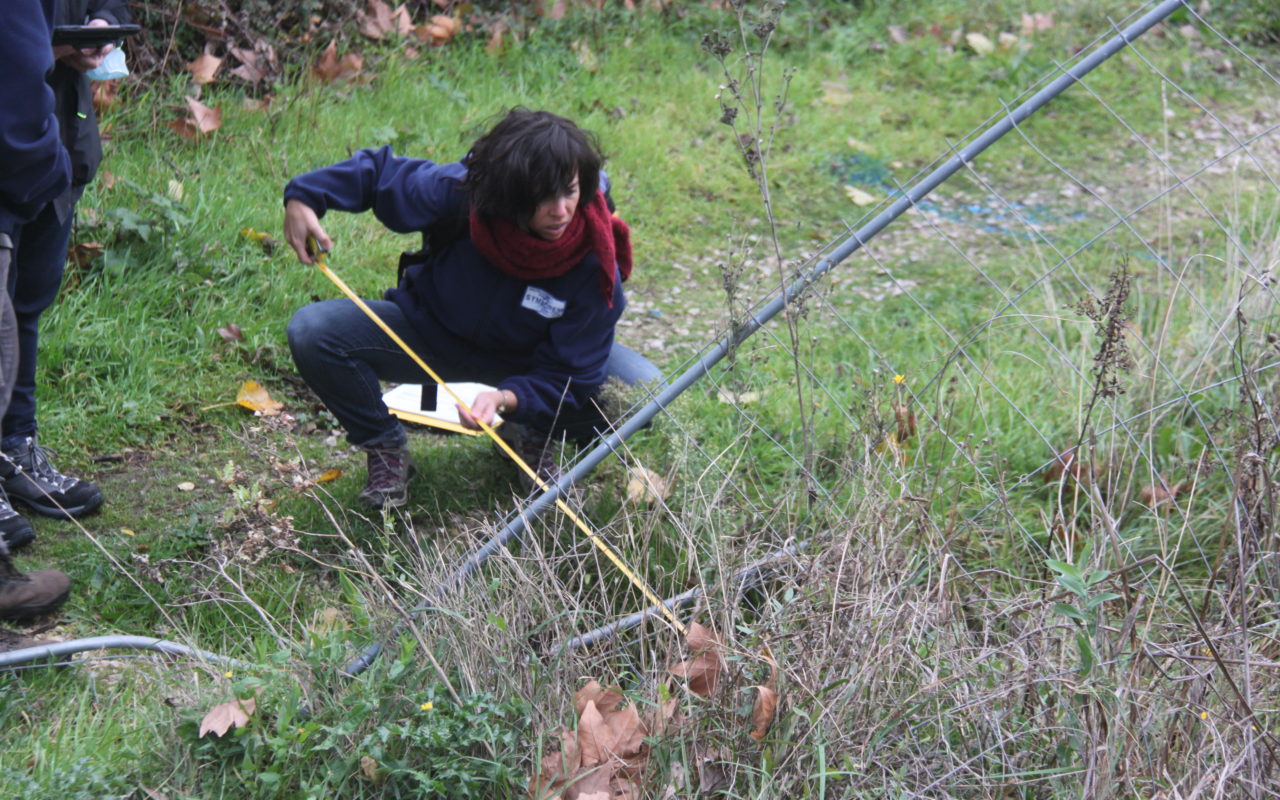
(485, 406)
(84, 60)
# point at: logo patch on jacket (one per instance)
(542, 303)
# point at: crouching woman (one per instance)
(519, 285)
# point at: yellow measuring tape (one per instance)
(600, 544)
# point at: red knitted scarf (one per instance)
(522, 255)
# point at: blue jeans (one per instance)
(342, 355)
(39, 257)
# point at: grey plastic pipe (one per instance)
(52, 652)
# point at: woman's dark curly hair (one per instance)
(529, 157)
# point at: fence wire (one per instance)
(1020, 448)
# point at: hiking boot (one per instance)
(28, 476)
(14, 529)
(390, 470)
(25, 596)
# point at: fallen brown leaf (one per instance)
(439, 31)
(254, 396)
(592, 736)
(713, 773)
(185, 128)
(105, 95)
(906, 420)
(626, 732)
(700, 637)
(205, 119)
(763, 712)
(1158, 495)
(249, 71)
(593, 785)
(330, 68)
(646, 486)
(978, 43)
(559, 767)
(225, 716)
(402, 20)
(231, 333)
(1066, 464)
(204, 68)
(702, 672)
(1040, 21)
(83, 254)
(606, 700)
(376, 21)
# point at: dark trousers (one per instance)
(39, 257)
(342, 354)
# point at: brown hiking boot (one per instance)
(390, 470)
(25, 596)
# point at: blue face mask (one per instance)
(113, 66)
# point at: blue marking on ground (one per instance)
(991, 216)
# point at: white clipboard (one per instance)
(411, 403)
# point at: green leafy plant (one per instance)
(1087, 610)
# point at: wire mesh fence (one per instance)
(1016, 453)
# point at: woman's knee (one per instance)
(630, 367)
(307, 330)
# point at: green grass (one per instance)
(920, 613)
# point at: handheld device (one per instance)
(92, 37)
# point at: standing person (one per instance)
(27, 474)
(34, 168)
(520, 286)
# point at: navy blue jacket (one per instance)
(551, 338)
(34, 167)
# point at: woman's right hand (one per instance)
(300, 222)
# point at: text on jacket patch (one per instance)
(542, 303)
